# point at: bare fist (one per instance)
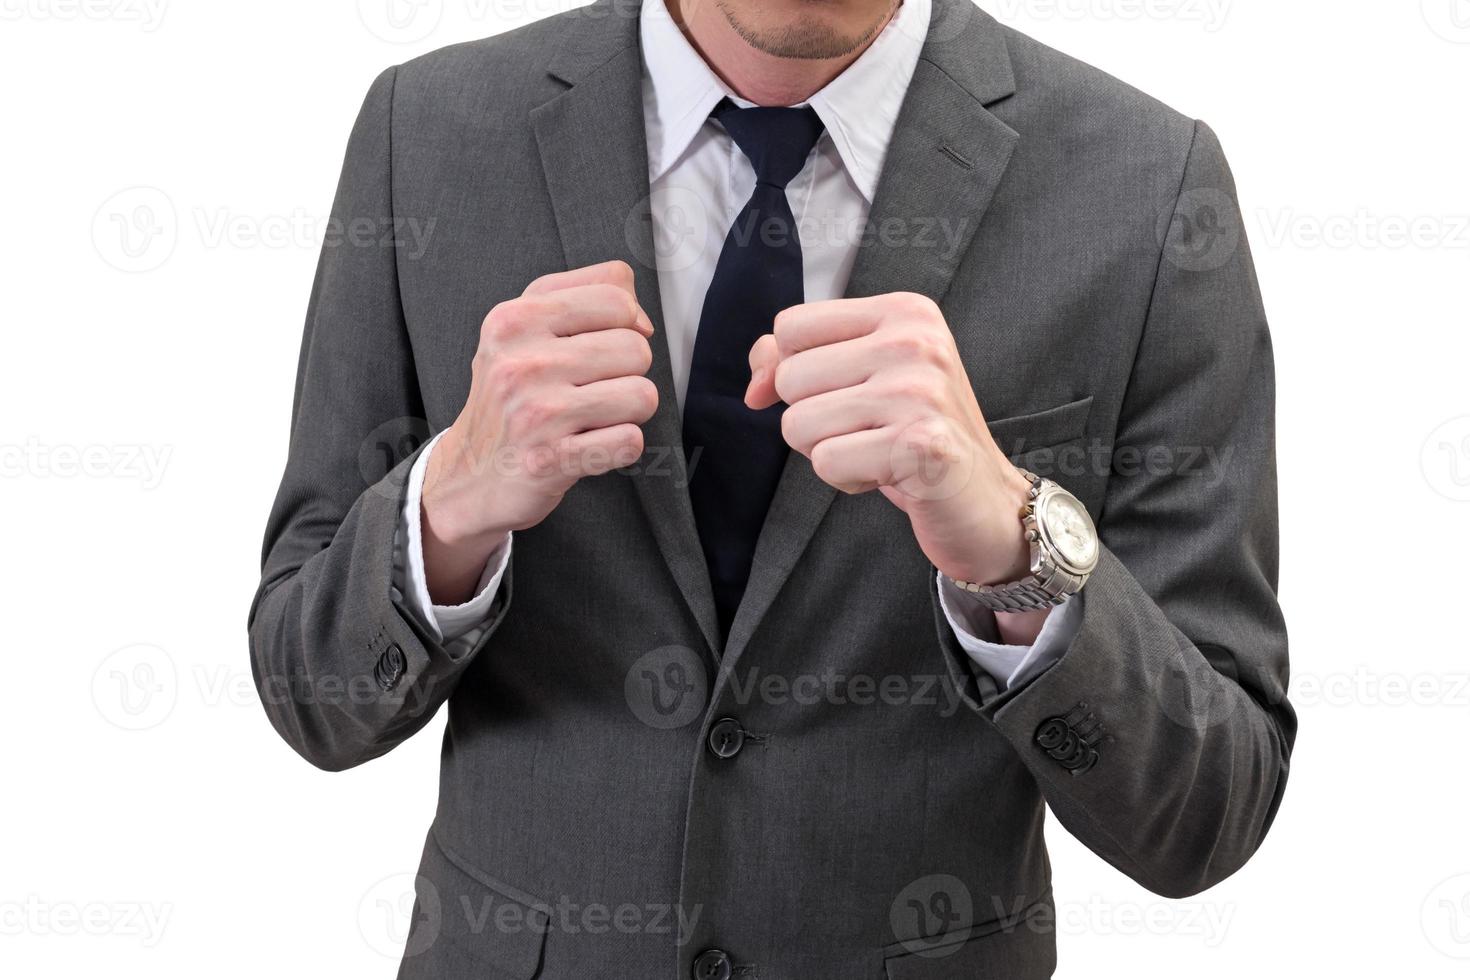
(879, 400)
(558, 393)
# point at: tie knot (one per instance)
(775, 140)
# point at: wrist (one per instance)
(453, 566)
(456, 542)
(453, 500)
(1002, 553)
(1064, 550)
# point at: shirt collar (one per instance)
(859, 108)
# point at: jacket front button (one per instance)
(712, 964)
(726, 738)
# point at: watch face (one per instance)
(1070, 530)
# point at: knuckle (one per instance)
(915, 305)
(641, 352)
(620, 306)
(784, 380)
(934, 349)
(645, 398)
(512, 373)
(930, 437)
(903, 344)
(534, 415)
(621, 272)
(539, 412)
(922, 346)
(793, 428)
(621, 446)
(491, 326)
(609, 293)
(789, 428)
(541, 282)
(630, 441)
(507, 320)
(784, 330)
(910, 390)
(824, 461)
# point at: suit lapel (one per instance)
(594, 155)
(944, 163)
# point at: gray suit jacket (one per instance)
(836, 793)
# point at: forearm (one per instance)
(343, 675)
(1189, 763)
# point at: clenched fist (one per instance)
(878, 399)
(558, 393)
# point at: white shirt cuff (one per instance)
(1011, 666)
(457, 625)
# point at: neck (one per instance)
(753, 74)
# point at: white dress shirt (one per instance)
(699, 180)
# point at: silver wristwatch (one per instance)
(1064, 552)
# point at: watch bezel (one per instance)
(1050, 551)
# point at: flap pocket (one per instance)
(1021, 947)
(1021, 434)
(472, 916)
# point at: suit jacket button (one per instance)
(1052, 733)
(712, 964)
(391, 666)
(726, 738)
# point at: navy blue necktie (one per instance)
(737, 455)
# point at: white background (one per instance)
(152, 823)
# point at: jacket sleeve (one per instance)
(1162, 736)
(343, 672)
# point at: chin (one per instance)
(807, 29)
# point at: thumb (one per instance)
(763, 360)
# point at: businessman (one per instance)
(848, 427)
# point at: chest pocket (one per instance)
(1020, 435)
